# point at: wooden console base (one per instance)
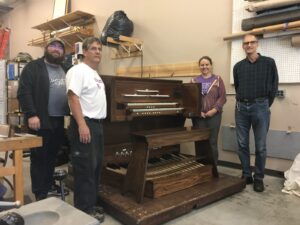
(163, 209)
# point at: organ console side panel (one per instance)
(191, 99)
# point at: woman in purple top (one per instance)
(213, 99)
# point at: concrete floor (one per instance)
(271, 207)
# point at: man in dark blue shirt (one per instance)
(256, 83)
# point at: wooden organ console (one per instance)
(145, 178)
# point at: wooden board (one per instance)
(166, 208)
(165, 137)
(77, 18)
(4, 130)
(163, 70)
(24, 142)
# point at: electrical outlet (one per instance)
(280, 94)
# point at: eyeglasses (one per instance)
(249, 42)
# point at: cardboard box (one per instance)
(12, 105)
(4, 130)
(15, 119)
(12, 88)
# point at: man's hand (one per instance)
(34, 123)
(84, 134)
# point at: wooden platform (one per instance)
(163, 209)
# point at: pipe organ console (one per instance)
(130, 98)
(145, 177)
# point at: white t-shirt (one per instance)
(86, 83)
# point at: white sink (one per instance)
(42, 217)
(53, 211)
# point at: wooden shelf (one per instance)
(71, 28)
(70, 36)
(77, 18)
(128, 47)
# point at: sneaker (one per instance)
(98, 209)
(55, 190)
(248, 180)
(258, 185)
(98, 216)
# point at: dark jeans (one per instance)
(86, 162)
(256, 115)
(213, 123)
(42, 159)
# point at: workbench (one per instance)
(17, 145)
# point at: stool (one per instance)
(60, 175)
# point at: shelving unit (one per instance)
(127, 47)
(3, 92)
(15, 117)
(71, 28)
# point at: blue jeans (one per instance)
(257, 115)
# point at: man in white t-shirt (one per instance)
(87, 100)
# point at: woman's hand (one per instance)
(210, 113)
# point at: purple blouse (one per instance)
(213, 92)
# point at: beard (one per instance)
(52, 59)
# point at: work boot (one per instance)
(248, 180)
(97, 215)
(258, 185)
